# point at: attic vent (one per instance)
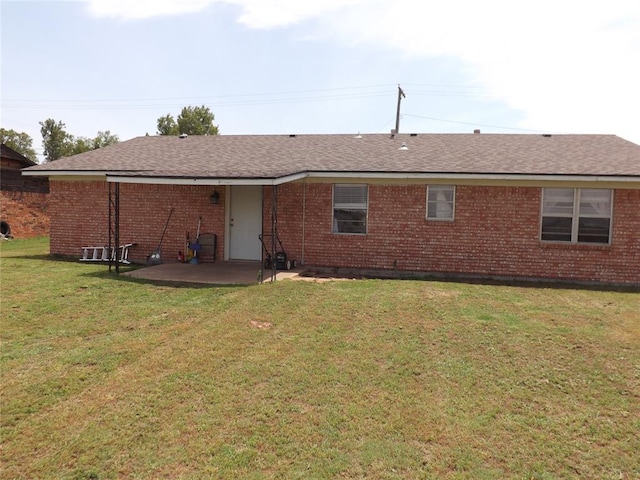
(547, 135)
(404, 146)
(293, 135)
(476, 131)
(413, 134)
(183, 135)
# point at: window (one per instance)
(440, 202)
(350, 208)
(581, 215)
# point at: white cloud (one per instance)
(569, 66)
(254, 13)
(280, 13)
(140, 9)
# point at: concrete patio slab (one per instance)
(219, 273)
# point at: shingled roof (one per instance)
(10, 153)
(278, 156)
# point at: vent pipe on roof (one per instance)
(476, 131)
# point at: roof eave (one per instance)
(64, 173)
(478, 176)
(137, 177)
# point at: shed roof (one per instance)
(278, 156)
(10, 153)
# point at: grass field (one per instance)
(104, 377)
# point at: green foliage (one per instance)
(104, 139)
(191, 121)
(81, 145)
(167, 125)
(58, 143)
(84, 144)
(21, 142)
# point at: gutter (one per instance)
(476, 176)
(134, 177)
(65, 173)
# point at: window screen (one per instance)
(350, 208)
(576, 215)
(440, 202)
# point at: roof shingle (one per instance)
(273, 156)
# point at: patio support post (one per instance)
(274, 231)
(114, 226)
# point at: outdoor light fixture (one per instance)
(215, 197)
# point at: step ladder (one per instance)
(101, 254)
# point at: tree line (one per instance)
(58, 143)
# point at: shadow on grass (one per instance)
(538, 283)
(43, 257)
(113, 275)
(178, 283)
(554, 284)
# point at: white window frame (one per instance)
(452, 204)
(575, 214)
(353, 206)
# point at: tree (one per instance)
(56, 142)
(192, 121)
(104, 139)
(81, 145)
(167, 125)
(21, 142)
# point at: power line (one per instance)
(221, 104)
(249, 99)
(295, 94)
(475, 124)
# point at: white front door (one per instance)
(245, 223)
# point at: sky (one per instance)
(323, 66)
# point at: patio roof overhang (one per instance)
(209, 181)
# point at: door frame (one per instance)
(227, 216)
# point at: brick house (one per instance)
(23, 199)
(559, 207)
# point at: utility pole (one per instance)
(401, 95)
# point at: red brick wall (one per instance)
(495, 232)
(79, 217)
(25, 212)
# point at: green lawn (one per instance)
(104, 377)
